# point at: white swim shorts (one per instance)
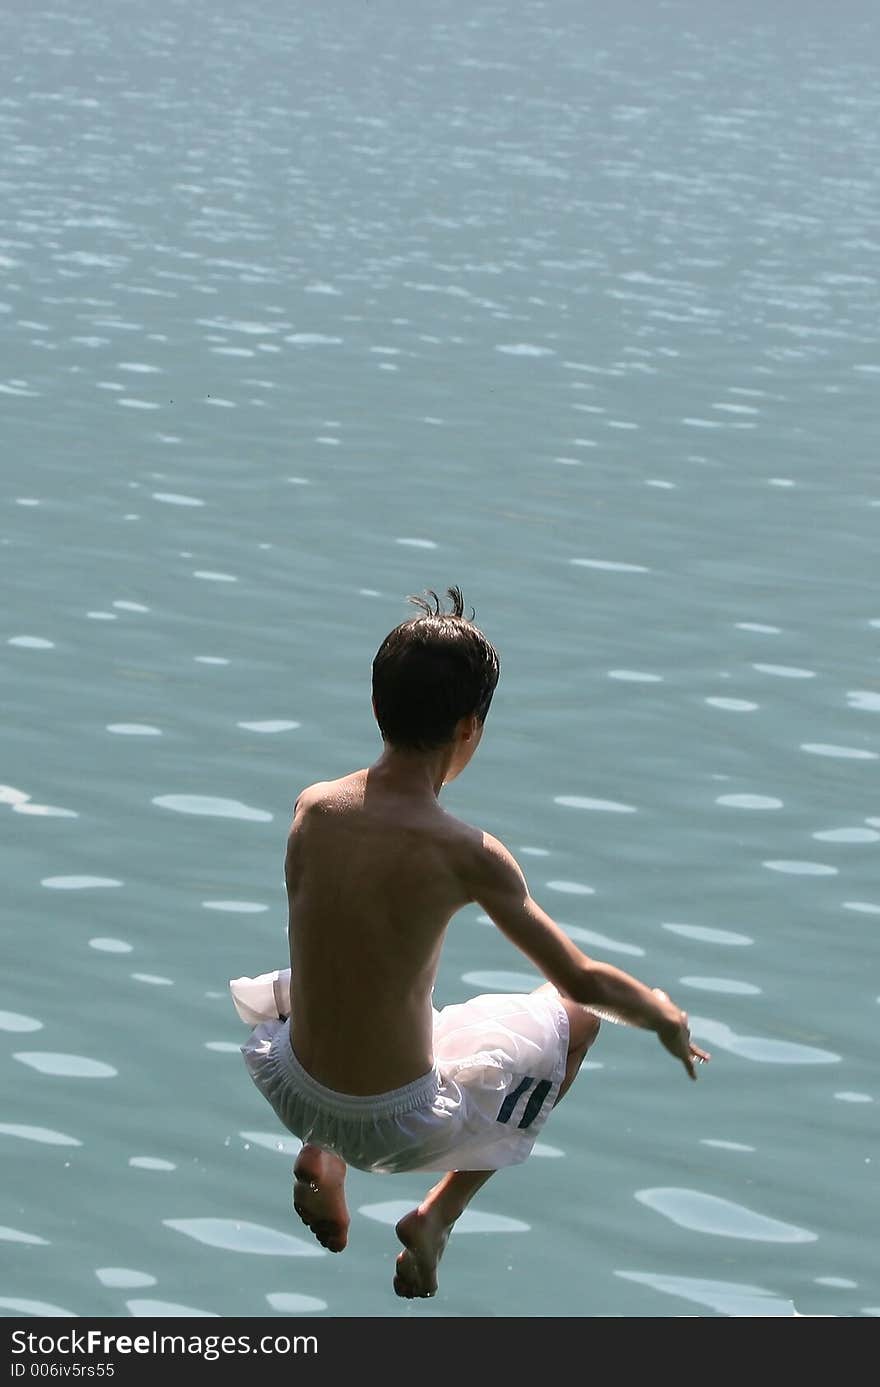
(499, 1060)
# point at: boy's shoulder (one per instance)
(480, 854)
(311, 794)
(325, 791)
(475, 848)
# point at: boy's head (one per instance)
(431, 671)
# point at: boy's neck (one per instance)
(414, 773)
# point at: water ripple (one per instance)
(123, 1277)
(236, 907)
(728, 985)
(799, 868)
(471, 1221)
(726, 1145)
(167, 1309)
(172, 498)
(289, 1303)
(610, 565)
(735, 1299)
(786, 671)
(68, 1066)
(570, 888)
(523, 349)
(608, 806)
(78, 883)
(602, 941)
(9, 795)
(212, 807)
(15, 1235)
(761, 1049)
(15, 1021)
(708, 935)
(312, 339)
(852, 753)
(706, 1213)
(276, 725)
(848, 835)
(635, 676)
(749, 801)
(46, 1135)
(864, 699)
(43, 1309)
(733, 705)
(233, 1235)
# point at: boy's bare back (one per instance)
(374, 873)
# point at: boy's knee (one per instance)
(583, 1027)
(592, 1026)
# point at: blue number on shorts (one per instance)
(533, 1106)
(535, 1103)
(512, 1099)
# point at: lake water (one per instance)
(303, 309)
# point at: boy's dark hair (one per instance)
(430, 671)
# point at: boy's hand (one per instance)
(676, 1037)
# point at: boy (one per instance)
(346, 1045)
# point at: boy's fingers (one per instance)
(697, 1054)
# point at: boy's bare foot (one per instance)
(319, 1196)
(424, 1233)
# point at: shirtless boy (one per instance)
(346, 1044)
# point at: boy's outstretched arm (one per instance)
(499, 886)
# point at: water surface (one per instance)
(303, 310)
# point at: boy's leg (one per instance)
(319, 1195)
(319, 1175)
(425, 1231)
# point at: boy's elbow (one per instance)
(579, 983)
